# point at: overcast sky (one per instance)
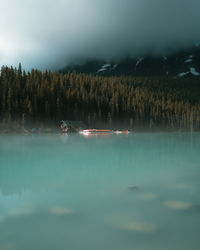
(51, 33)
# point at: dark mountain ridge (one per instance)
(180, 64)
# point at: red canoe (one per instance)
(102, 132)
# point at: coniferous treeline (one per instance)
(36, 95)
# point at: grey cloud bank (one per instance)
(49, 34)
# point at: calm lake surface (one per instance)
(118, 192)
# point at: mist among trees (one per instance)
(135, 101)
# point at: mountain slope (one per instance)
(180, 64)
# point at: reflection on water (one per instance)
(139, 191)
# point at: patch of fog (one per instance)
(164, 58)
(21, 212)
(133, 187)
(139, 227)
(1, 220)
(177, 205)
(60, 211)
(7, 247)
(17, 212)
(149, 196)
(180, 186)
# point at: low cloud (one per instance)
(50, 34)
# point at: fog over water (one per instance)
(50, 34)
(136, 191)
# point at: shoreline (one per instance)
(44, 127)
(49, 130)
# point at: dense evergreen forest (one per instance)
(135, 101)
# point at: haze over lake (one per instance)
(136, 191)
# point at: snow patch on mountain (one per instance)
(192, 71)
(183, 74)
(104, 67)
(139, 61)
(188, 60)
(114, 66)
(107, 66)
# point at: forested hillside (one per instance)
(140, 101)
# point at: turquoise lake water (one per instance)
(118, 192)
